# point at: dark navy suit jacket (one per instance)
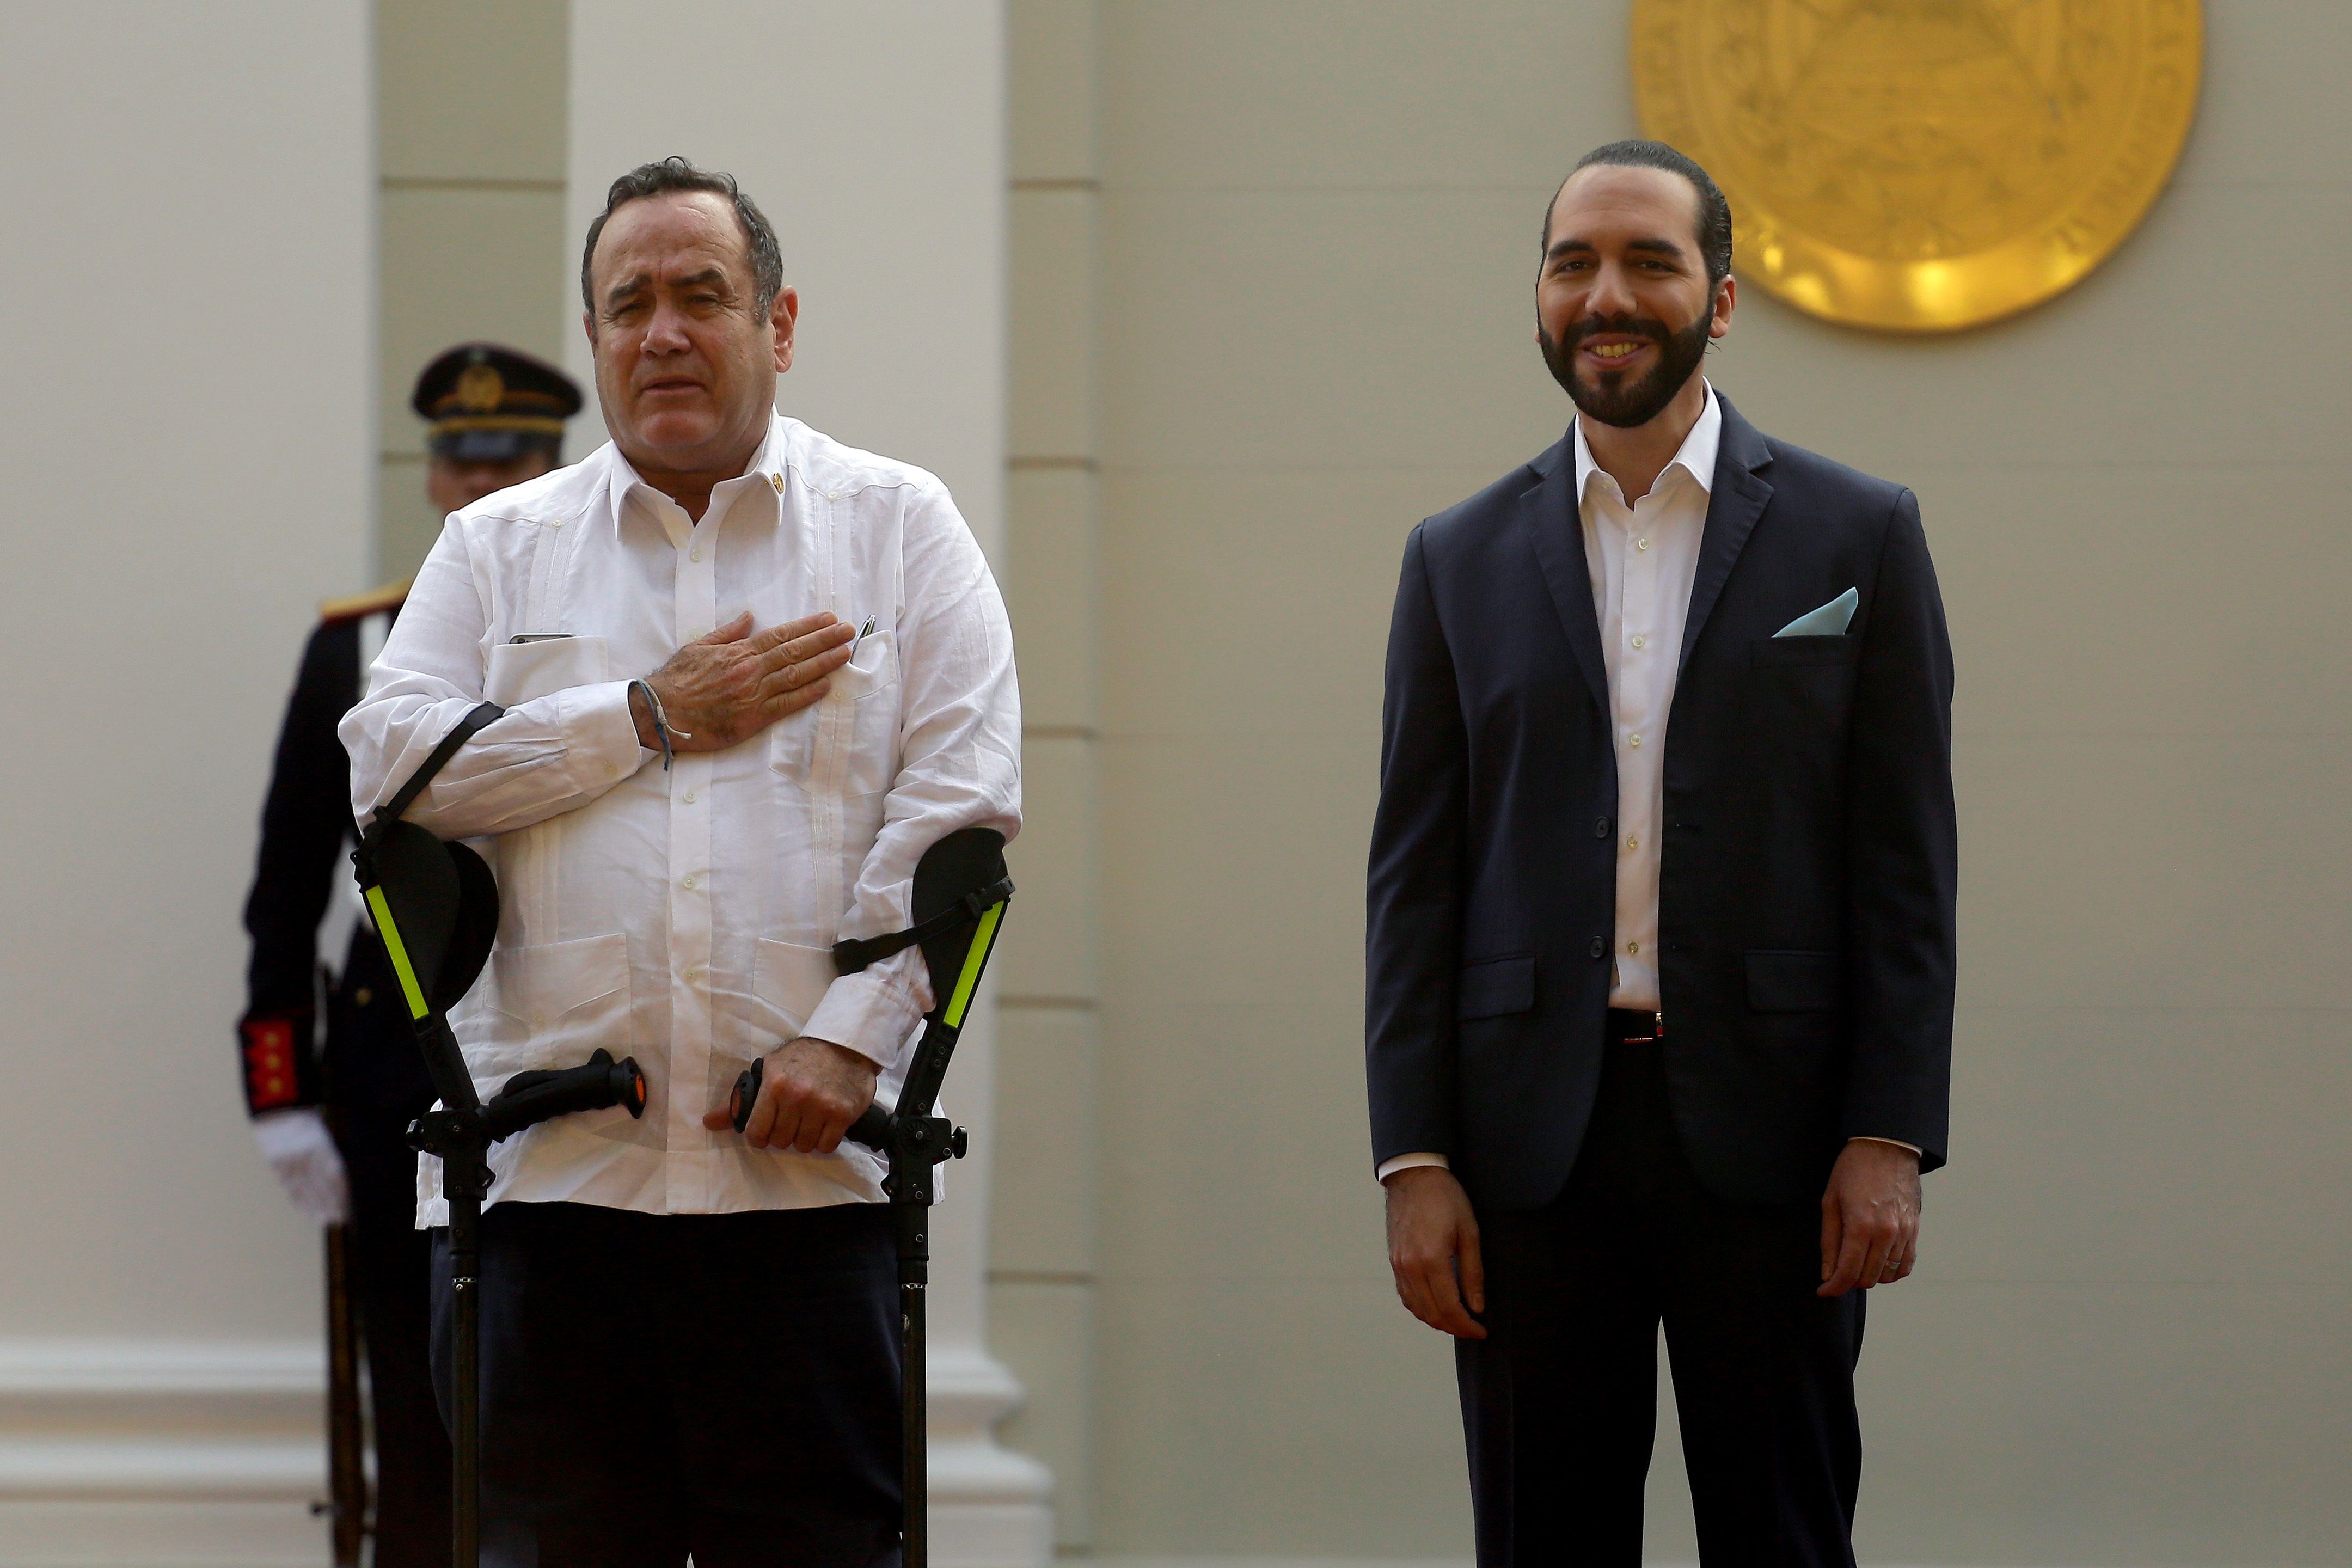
(1808, 866)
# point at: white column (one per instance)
(187, 303)
(872, 134)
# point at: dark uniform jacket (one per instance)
(372, 1062)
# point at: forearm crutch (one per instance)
(435, 906)
(962, 889)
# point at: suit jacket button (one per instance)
(1600, 827)
(1599, 949)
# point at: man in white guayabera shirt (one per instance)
(751, 674)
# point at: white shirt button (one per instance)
(689, 797)
(1633, 741)
(1640, 641)
(695, 553)
(1641, 544)
(686, 882)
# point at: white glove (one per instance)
(301, 1149)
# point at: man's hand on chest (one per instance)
(723, 688)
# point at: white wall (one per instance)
(186, 302)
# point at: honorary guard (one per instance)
(333, 1127)
(750, 676)
(1660, 956)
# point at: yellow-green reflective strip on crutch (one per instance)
(972, 961)
(398, 950)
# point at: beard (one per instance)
(1614, 400)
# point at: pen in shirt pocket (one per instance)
(863, 633)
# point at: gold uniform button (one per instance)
(1631, 948)
(778, 481)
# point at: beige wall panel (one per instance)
(2126, 871)
(1253, 603)
(1045, 1332)
(1229, 874)
(1317, 244)
(462, 264)
(406, 523)
(2042, 1422)
(1050, 592)
(1042, 1209)
(2100, 1147)
(1240, 1154)
(1360, 330)
(1251, 1415)
(1332, 94)
(1048, 948)
(472, 91)
(1053, 323)
(1051, 50)
(2231, 578)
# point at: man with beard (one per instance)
(1658, 1027)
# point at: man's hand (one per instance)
(1870, 1217)
(734, 683)
(811, 1092)
(1433, 1250)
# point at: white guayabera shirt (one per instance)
(686, 916)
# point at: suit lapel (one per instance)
(1555, 529)
(1735, 501)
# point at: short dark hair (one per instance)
(675, 174)
(1714, 211)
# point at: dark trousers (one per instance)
(1560, 1401)
(659, 1384)
(392, 1286)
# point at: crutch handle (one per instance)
(872, 1126)
(532, 1098)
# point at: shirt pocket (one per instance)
(568, 997)
(521, 671)
(847, 743)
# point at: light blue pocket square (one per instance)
(1830, 621)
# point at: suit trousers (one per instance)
(659, 1384)
(1559, 1400)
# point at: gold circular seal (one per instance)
(1923, 165)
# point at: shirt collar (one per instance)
(1696, 456)
(767, 466)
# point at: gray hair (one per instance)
(673, 174)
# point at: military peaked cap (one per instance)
(489, 404)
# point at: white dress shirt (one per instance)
(1643, 559)
(685, 917)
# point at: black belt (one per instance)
(1631, 1028)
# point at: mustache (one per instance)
(1618, 326)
